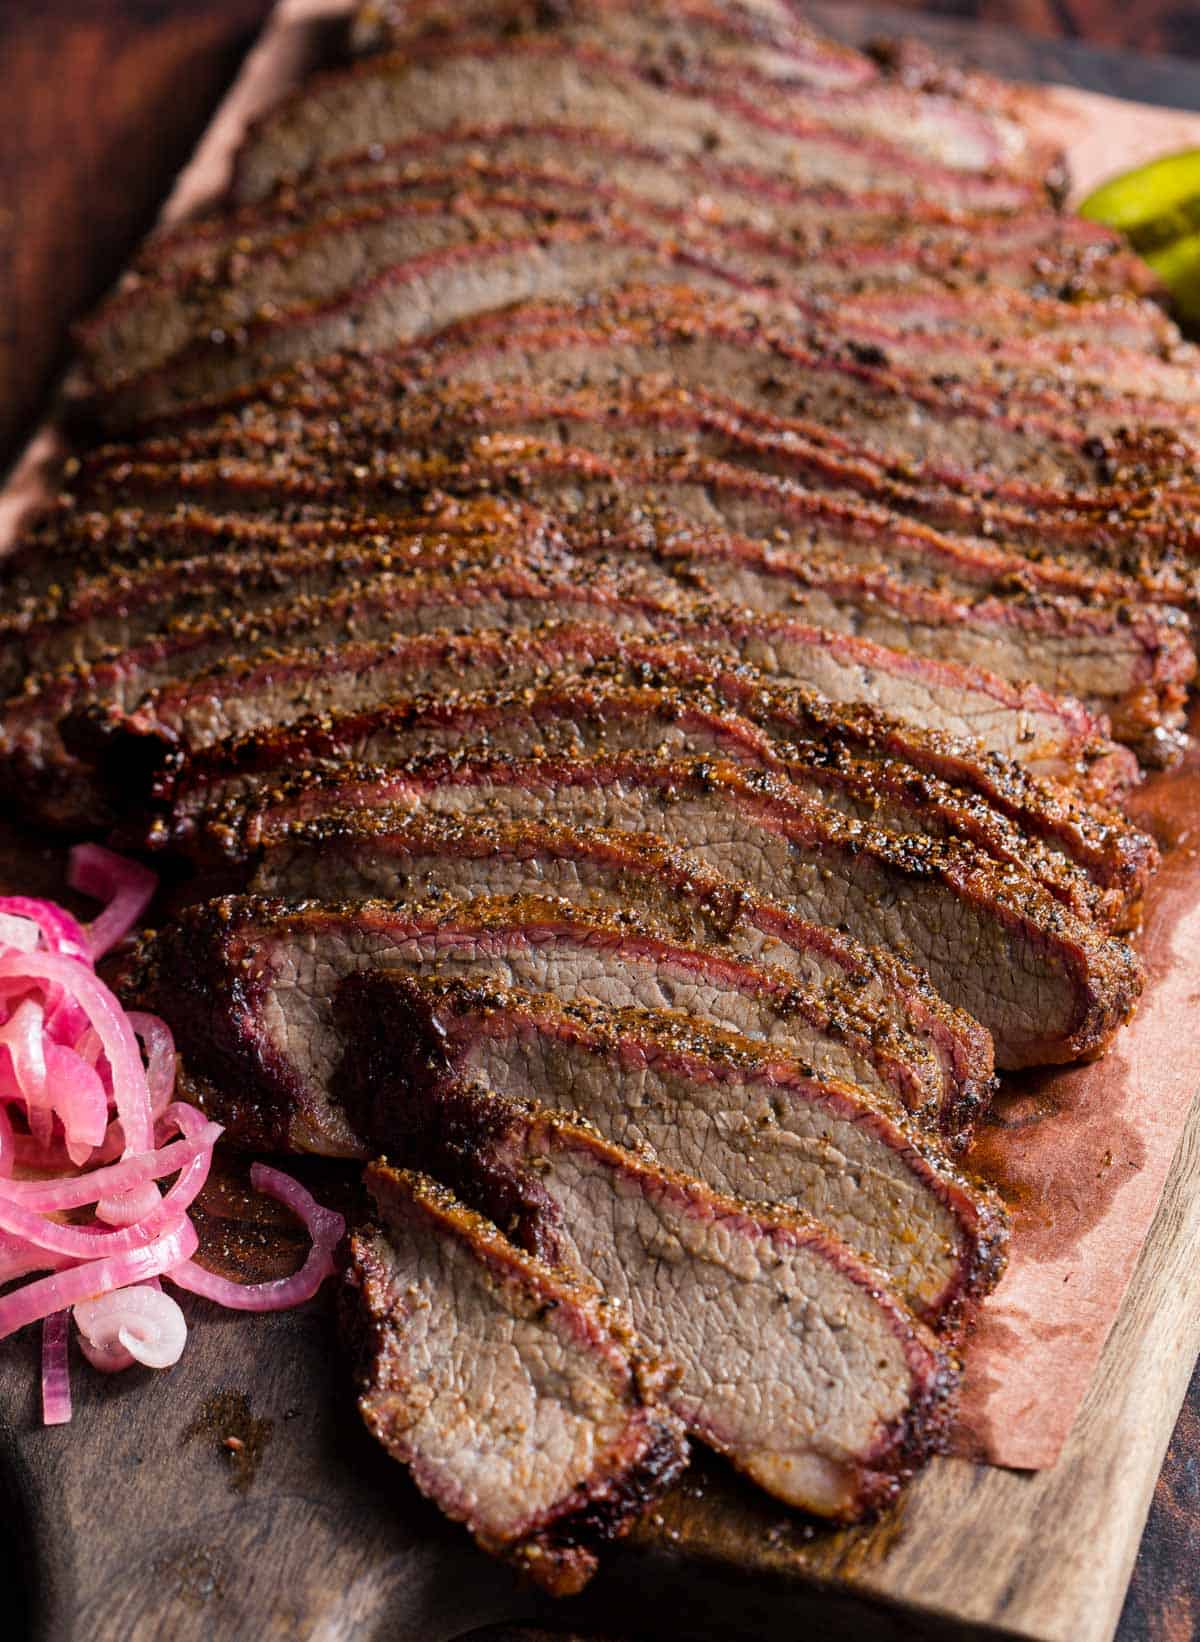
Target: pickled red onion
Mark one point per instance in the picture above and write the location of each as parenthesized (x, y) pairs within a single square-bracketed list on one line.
[(76, 1191), (127, 886), (139, 1324), (111, 1026), (56, 1380), (326, 1227), (71, 1066), (62, 932), (124, 1208), (21, 933), (159, 1043), (37, 1300)]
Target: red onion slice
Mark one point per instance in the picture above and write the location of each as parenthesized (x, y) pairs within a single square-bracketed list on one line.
[(159, 1043), (18, 1261), (77, 1191), (127, 1208), (65, 1288), (62, 933), (327, 1228), (8, 1144), (76, 1094), (21, 933), (56, 1373), (127, 886), (140, 1323), (113, 1358), (129, 1086)]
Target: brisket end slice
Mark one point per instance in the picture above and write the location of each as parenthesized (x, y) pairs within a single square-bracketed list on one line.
[(796, 1359), (509, 1390)]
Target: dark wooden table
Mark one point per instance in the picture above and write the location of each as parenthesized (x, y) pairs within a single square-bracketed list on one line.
[(104, 99)]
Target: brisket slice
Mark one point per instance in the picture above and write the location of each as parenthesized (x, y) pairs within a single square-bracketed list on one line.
[(311, 710), (510, 1390), (1047, 985), (398, 98), (145, 326), (1037, 482), (1137, 335), (134, 693), (879, 237), (1129, 665), (742, 1118), (394, 274), (271, 1051), (797, 1360), (437, 859), (551, 944), (602, 715)]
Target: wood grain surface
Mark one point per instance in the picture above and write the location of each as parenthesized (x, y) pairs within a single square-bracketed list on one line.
[(103, 101)]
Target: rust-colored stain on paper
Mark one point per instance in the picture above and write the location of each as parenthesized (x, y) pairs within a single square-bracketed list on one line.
[(1081, 1156)]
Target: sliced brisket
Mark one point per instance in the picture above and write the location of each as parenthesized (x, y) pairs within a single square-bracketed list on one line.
[(844, 237), (1054, 820), (435, 859), (540, 943), (510, 1390), (397, 98), (772, 730), (269, 1049), (690, 36), (133, 694), (1129, 665), (1046, 984), (742, 1118), (645, 499), (797, 1361), (70, 545)]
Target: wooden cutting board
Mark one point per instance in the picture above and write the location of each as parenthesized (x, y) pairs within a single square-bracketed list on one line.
[(138, 1520)]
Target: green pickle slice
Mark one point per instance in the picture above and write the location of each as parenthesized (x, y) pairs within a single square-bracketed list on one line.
[(1157, 208)]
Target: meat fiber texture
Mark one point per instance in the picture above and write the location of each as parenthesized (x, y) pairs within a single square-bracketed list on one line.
[(1116, 1122), (511, 1393)]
